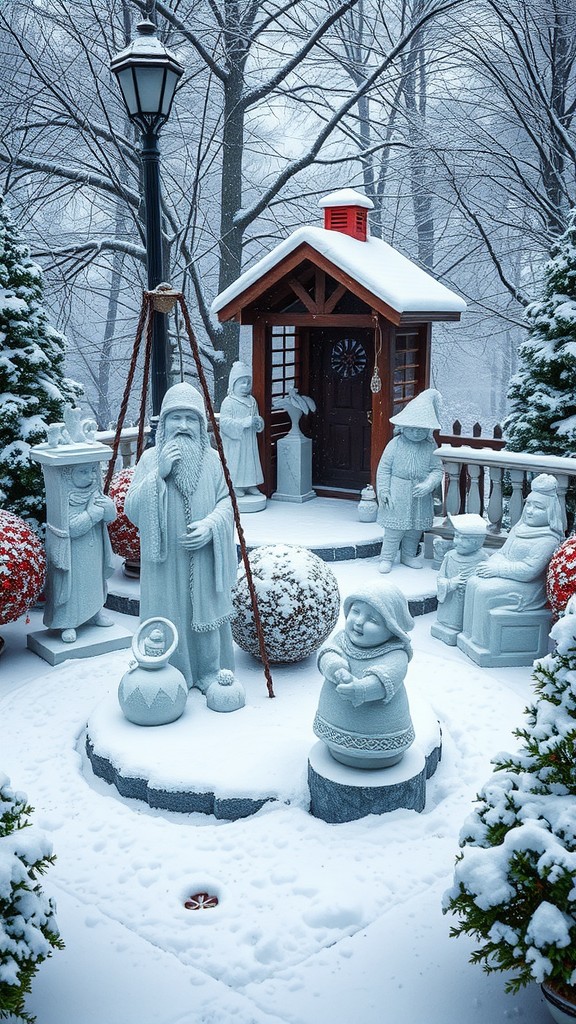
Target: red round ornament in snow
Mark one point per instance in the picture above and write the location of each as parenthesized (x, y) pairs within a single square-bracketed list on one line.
[(124, 536), (561, 576), (22, 567)]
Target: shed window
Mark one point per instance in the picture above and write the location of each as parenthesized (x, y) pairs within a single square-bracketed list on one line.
[(406, 369), (286, 366)]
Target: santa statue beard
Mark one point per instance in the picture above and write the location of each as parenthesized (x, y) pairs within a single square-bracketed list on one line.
[(186, 469)]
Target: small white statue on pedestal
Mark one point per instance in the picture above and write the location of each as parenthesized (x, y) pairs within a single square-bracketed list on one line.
[(294, 451), (458, 565), (240, 422)]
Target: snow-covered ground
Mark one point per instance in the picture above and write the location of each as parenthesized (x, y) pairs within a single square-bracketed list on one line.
[(316, 923)]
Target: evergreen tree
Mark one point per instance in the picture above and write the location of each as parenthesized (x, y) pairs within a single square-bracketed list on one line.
[(542, 394), (33, 389), (28, 928), (515, 882)]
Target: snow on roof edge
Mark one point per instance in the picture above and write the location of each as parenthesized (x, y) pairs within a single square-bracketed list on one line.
[(374, 264)]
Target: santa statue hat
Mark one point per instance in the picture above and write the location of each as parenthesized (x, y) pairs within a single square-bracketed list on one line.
[(422, 411), (238, 371)]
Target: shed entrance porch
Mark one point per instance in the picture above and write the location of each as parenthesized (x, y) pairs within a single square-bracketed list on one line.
[(341, 364)]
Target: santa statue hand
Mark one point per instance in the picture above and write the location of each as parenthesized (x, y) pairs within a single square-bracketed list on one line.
[(167, 456), (198, 535)]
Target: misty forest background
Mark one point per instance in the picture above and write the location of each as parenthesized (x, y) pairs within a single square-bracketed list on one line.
[(453, 116)]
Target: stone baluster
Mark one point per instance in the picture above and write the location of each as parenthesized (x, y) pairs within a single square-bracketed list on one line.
[(453, 493), (127, 451), (474, 503), (494, 510), (562, 487), (517, 499)]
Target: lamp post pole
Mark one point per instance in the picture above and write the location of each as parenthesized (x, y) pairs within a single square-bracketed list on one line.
[(150, 156), (148, 74)]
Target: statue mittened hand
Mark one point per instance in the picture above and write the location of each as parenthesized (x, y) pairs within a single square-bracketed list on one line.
[(354, 692)]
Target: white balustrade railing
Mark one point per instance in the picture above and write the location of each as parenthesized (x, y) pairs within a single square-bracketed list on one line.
[(485, 472), (128, 443)]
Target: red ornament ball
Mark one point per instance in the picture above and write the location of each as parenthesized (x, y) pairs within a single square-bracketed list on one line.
[(561, 576), (124, 536), (22, 567)]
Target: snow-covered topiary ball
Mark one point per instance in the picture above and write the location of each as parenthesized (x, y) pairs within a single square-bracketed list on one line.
[(561, 576), (298, 600), (22, 567), (124, 536)]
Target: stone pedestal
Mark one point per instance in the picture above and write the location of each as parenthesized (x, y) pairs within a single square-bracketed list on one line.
[(340, 793), (251, 502), (294, 481), (515, 639), (90, 642)]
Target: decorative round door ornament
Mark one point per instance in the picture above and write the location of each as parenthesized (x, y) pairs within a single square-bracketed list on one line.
[(349, 358)]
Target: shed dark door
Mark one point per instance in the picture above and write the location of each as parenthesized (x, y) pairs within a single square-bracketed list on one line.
[(341, 364)]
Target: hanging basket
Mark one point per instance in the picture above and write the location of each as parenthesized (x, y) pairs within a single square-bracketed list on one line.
[(164, 298)]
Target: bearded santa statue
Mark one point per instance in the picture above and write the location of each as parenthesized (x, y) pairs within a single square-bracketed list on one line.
[(179, 501)]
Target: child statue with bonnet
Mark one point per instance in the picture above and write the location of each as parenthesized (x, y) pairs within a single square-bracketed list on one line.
[(458, 565), (363, 714)]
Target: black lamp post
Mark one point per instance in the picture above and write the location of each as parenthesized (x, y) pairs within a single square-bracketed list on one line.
[(148, 74)]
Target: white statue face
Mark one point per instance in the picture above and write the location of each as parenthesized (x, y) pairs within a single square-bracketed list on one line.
[(84, 476), (242, 386), (365, 627), (415, 433), (182, 422), (467, 543), (535, 511)]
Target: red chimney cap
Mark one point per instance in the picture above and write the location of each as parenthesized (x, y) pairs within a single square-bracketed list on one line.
[(346, 197)]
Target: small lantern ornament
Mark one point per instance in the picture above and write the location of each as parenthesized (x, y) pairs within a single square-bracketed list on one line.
[(124, 536), (561, 576), (22, 567)]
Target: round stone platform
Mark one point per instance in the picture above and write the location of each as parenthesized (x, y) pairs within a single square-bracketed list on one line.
[(228, 765)]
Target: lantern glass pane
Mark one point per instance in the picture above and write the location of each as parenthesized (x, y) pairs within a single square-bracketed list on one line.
[(150, 82), (126, 83), (169, 89)]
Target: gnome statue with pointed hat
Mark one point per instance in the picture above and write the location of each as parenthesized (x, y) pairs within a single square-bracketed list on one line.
[(408, 473)]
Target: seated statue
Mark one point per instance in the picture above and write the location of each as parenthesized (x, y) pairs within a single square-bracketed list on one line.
[(513, 579), (363, 714)]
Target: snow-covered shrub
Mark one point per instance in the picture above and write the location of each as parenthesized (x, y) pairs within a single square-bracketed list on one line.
[(28, 929), (124, 536), (298, 601), (515, 881), (22, 567), (561, 576), (33, 389)]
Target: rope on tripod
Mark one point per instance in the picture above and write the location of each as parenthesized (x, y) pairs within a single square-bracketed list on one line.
[(126, 396), (228, 478)]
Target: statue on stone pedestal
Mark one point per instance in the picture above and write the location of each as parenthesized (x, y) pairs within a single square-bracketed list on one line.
[(363, 713), (78, 551), (408, 473), (458, 565), (514, 577), (240, 422), (179, 501)]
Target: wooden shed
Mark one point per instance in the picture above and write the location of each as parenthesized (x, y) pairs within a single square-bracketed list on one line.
[(346, 319)]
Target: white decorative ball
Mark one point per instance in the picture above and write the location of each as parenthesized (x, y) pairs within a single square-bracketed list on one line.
[(298, 600)]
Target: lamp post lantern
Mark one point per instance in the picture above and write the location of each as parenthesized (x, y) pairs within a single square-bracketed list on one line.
[(148, 74)]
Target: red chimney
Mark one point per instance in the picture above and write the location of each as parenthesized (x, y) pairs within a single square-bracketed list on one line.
[(347, 211)]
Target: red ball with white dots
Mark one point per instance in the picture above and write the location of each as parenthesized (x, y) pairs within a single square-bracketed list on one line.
[(22, 567)]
